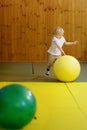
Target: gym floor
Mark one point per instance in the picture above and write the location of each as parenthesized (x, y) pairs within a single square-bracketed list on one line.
[(60, 106)]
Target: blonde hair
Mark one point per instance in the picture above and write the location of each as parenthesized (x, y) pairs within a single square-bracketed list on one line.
[(58, 31)]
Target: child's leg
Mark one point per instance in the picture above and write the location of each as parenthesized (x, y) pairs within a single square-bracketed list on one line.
[(51, 61)]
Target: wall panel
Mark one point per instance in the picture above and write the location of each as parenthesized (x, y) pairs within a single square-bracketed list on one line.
[(26, 28)]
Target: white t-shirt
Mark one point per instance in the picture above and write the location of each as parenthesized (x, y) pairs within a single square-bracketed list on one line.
[(53, 50)]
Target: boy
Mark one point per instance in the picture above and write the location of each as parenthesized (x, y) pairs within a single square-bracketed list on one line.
[(55, 49)]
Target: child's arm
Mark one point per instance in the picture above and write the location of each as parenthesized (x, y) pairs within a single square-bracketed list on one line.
[(70, 43), (60, 48)]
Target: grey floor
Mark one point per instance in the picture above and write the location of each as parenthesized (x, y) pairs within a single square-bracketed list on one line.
[(33, 72)]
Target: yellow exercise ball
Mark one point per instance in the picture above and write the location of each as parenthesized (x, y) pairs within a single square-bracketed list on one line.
[(66, 68)]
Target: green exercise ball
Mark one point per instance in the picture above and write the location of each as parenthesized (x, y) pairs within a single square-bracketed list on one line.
[(17, 106)]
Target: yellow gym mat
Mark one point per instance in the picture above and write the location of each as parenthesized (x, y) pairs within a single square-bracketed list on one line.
[(60, 106)]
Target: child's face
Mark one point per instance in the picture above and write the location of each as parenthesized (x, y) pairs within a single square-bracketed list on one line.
[(59, 36)]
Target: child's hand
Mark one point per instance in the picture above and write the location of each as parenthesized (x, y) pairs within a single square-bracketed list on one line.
[(75, 42), (63, 54)]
